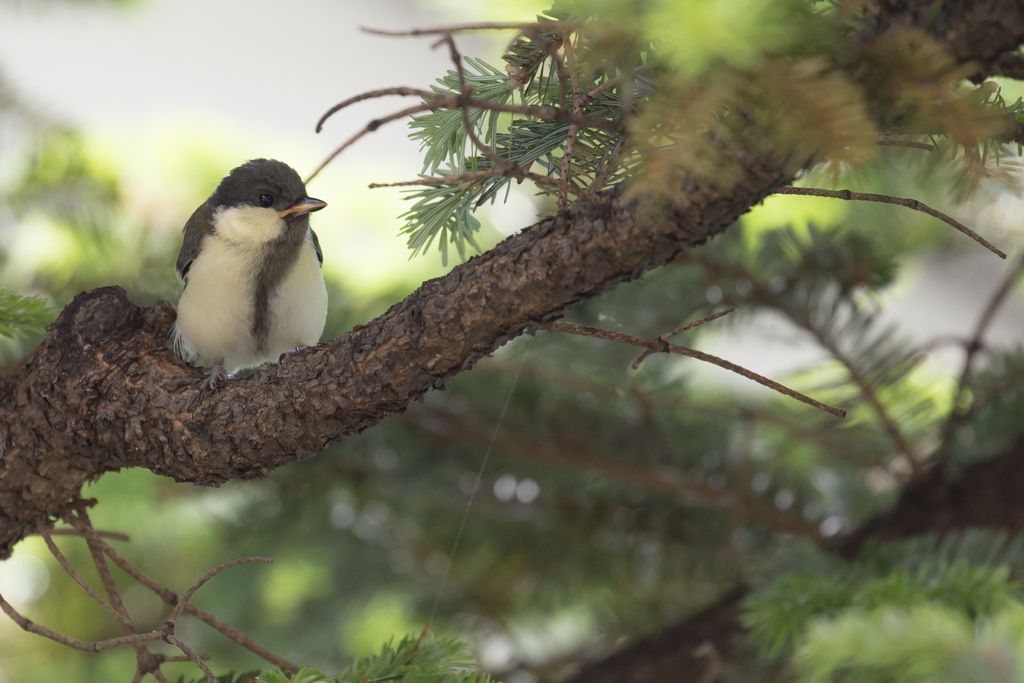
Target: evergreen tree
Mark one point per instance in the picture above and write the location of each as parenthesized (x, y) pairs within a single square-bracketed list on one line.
[(626, 519)]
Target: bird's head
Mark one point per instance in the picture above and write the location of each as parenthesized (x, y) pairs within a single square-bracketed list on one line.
[(261, 201)]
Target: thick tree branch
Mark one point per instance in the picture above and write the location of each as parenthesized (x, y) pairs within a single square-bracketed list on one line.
[(103, 392)]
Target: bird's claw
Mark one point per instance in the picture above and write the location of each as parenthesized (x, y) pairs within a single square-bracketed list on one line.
[(288, 354), (213, 383)]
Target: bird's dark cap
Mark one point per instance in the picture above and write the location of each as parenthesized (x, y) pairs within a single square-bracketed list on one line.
[(245, 185)]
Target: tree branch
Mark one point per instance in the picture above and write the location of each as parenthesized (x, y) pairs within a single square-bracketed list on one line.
[(171, 598), (577, 109), (99, 646), (986, 494), (103, 391), (660, 345), (958, 415), (899, 201), (438, 100), (532, 26)]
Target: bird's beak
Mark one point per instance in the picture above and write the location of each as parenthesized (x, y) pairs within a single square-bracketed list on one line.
[(304, 206)]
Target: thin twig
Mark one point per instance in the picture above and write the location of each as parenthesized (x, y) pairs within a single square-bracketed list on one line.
[(988, 315), (679, 330), (168, 627), (466, 92), (611, 82), (442, 180), (868, 391), (577, 109), (191, 654), (63, 562), (440, 100), (537, 26), (112, 535), (372, 94), (98, 646), (516, 172), (419, 641), (886, 199), (170, 659), (171, 598), (507, 166), (496, 159), (370, 127), (144, 658), (806, 431), (660, 346), (206, 577), (976, 344), (106, 578)]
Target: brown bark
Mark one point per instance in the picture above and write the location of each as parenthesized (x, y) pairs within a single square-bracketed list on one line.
[(102, 392)]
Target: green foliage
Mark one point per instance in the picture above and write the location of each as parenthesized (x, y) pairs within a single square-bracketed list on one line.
[(413, 660), (967, 572), (633, 526), (600, 159), (20, 315), (445, 211), (694, 82), (304, 675), (926, 642)]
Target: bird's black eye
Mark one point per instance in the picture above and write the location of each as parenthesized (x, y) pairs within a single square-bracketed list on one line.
[(266, 200)]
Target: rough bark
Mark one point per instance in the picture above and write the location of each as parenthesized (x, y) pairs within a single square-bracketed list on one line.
[(102, 391)]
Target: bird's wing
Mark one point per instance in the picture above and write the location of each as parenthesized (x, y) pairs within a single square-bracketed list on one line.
[(197, 228), (316, 245)]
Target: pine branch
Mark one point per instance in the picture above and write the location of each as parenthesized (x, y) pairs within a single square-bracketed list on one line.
[(679, 330), (577, 109), (445, 137), (886, 199), (661, 346), (530, 27), (438, 100), (21, 315)]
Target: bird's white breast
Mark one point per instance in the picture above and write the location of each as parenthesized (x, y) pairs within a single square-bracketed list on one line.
[(215, 312), (298, 306)]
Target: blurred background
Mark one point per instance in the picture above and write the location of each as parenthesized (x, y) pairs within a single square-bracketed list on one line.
[(615, 501)]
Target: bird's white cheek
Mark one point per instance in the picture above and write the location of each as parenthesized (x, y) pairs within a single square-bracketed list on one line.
[(248, 224)]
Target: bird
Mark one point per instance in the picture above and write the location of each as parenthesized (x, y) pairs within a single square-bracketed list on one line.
[(252, 269)]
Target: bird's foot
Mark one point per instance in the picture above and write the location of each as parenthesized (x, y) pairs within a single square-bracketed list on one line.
[(289, 354), (218, 376)]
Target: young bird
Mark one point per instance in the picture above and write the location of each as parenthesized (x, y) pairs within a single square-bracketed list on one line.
[(251, 268)]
